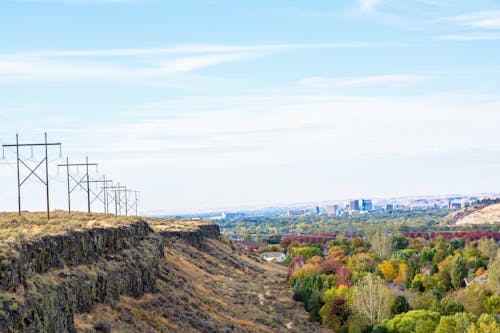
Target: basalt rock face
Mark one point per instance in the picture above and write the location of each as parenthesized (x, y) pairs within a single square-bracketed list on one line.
[(76, 248), (196, 237), (45, 282)]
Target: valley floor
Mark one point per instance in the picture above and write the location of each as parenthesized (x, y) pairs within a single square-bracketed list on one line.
[(216, 288)]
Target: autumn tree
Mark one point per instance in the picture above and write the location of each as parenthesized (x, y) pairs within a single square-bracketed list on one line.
[(389, 272), (335, 311), (371, 300)]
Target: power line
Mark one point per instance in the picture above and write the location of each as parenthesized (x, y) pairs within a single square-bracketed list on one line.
[(20, 162), (78, 182)]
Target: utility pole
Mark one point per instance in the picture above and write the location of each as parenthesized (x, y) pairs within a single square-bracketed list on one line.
[(117, 191), (78, 182), (133, 205), (33, 171), (102, 191)]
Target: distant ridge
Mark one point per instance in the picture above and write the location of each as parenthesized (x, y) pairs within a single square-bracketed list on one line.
[(486, 212)]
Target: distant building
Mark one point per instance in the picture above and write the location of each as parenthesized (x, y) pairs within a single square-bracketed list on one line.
[(296, 212), (366, 205), (317, 210), (250, 245), (456, 205), (332, 209), (479, 279), (273, 256), (354, 205), (232, 215), (389, 207)]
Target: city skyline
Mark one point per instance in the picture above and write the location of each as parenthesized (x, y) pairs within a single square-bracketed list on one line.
[(225, 104)]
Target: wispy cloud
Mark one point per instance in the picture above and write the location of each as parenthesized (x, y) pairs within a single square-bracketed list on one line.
[(474, 36), (389, 79), (368, 5), (483, 19), (68, 65)]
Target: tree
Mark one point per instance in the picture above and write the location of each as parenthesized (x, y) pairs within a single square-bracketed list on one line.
[(388, 270), (486, 323), (488, 247), (448, 307), (371, 300), (400, 305), (472, 298), (494, 274), (313, 304), (306, 251), (422, 321), (458, 271), (381, 244), (335, 311), (457, 323), (412, 270), (400, 242)]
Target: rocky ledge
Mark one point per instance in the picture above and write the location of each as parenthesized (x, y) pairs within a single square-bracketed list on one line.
[(45, 281)]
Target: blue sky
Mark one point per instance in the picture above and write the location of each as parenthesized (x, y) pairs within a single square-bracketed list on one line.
[(208, 104)]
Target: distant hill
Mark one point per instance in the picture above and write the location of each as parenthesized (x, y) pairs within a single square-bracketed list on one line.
[(484, 212)]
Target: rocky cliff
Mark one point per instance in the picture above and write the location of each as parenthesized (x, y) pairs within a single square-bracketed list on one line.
[(45, 281)]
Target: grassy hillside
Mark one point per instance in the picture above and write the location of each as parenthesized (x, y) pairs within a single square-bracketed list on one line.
[(477, 214), (218, 288)]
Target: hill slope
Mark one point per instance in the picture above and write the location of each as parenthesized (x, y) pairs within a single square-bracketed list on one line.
[(213, 288), (482, 214), (101, 273)]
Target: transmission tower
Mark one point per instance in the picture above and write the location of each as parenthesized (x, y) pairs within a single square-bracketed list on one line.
[(78, 183), (103, 191), (33, 171)]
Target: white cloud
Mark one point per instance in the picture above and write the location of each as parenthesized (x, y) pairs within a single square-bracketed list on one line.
[(389, 79), (484, 19), (475, 36), (137, 64), (368, 5)]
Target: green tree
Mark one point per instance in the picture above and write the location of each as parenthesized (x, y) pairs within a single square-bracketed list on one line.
[(413, 269), (400, 242), (457, 323), (422, 321), (458, 271), (494, 274), (486, 323), (448, 307), (400, 305)]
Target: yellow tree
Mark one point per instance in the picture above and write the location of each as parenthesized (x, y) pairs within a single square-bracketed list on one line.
[(388, 270)]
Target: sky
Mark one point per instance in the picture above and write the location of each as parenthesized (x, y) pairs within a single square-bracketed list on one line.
[(218, 104)]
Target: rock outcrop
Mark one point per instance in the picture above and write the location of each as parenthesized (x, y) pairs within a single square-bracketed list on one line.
[(46, 281)]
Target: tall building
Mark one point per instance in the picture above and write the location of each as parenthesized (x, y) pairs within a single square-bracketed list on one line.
[(354, 205), (389, 207), (366, 205), (330, 209)]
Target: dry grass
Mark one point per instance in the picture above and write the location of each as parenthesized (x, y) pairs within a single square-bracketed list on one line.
[(167, 224), (489, 214), (205, 291), (15, 229)]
